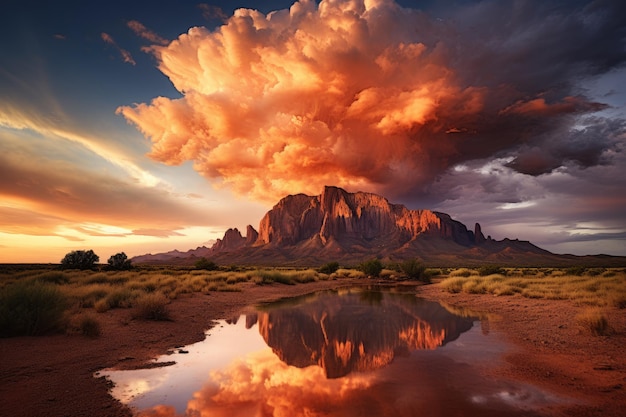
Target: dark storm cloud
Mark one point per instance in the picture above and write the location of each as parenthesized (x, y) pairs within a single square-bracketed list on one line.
[(388, 98)]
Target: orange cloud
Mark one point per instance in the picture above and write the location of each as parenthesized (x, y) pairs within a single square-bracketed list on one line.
[(212, 12), (126, 56), (540, 107), (142, 31), (303, 97), (261, 384), (361, 94)]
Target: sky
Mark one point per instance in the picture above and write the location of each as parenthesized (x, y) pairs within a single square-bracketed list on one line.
[(145, 127)]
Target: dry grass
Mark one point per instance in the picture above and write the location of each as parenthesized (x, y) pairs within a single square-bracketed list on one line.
[(152, 307), (593, 290), (594, 320), (76, 293)]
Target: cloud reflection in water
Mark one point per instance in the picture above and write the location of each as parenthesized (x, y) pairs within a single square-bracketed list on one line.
[(354, 353)]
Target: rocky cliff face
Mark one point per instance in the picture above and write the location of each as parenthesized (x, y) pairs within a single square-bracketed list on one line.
[(363, 332), (352, 227), (349, 217)]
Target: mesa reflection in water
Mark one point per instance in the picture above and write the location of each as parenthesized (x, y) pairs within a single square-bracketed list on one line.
[(330, 354), (355, 330)]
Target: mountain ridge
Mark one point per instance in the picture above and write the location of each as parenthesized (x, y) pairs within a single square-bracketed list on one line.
[(336, 225)]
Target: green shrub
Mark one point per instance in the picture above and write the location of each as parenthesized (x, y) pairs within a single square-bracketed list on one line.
[(204, 263), (31, 308), (372, 267), (575, 270), (414, 269), (329, 268), (483, 271), (152, 307)]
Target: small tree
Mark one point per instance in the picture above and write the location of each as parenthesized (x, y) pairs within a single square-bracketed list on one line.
[(372, 267), (80, 259), (204, 263), (119, 262)]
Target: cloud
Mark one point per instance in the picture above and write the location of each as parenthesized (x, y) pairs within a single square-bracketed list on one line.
[(142, 31), (157, 232), (366, 94), (44, 196), (126, 56), (14, 117), (210, 12)]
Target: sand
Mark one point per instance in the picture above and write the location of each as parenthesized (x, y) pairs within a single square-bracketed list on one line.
[(53, 375)]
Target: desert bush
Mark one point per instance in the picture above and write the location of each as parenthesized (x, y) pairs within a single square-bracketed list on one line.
[(433, 272), (618, 300), (101, 306), (53, 277), (80, 259), (152, 307), (302, 277), (372, 268), (329, 268), (485, 270), (234, 278), (453, 285), (204, 263), (594, 272), (414, 269), (97, 278), (121, 298), (594, 321), (263, 277), (31, 308), (87, 295), (461, 272), (388, 273), (89, 326), (575, 270), (348, 273), (119, 262)]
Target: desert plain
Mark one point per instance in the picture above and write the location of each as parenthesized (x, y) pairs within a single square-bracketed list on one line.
[(567, 343)]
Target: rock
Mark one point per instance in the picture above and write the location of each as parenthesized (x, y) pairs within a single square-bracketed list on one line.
[(352, 227), (479, 238)]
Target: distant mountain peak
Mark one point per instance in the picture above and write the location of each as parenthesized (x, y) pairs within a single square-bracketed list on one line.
[(351, 227)]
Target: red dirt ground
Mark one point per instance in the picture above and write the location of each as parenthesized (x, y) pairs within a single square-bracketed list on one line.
[(53, 375)]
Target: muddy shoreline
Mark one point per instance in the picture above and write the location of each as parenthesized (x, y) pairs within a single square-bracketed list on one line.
[(53, 375)]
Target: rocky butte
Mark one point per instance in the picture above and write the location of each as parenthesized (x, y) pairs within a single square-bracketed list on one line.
[(352, 227)]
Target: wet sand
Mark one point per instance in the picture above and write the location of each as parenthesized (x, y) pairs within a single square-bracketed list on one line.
[(53, 375)]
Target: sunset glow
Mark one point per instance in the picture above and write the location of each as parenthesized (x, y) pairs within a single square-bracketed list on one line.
[(136, 130)]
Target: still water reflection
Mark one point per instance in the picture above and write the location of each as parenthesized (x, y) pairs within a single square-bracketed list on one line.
[(358, 352)]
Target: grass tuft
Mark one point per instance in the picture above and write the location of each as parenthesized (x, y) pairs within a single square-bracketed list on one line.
[(89, 326), (31, 308), (594, 321), (152, 306)]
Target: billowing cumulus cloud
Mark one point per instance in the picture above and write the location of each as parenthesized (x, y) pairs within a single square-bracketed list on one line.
[(366, 94)]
